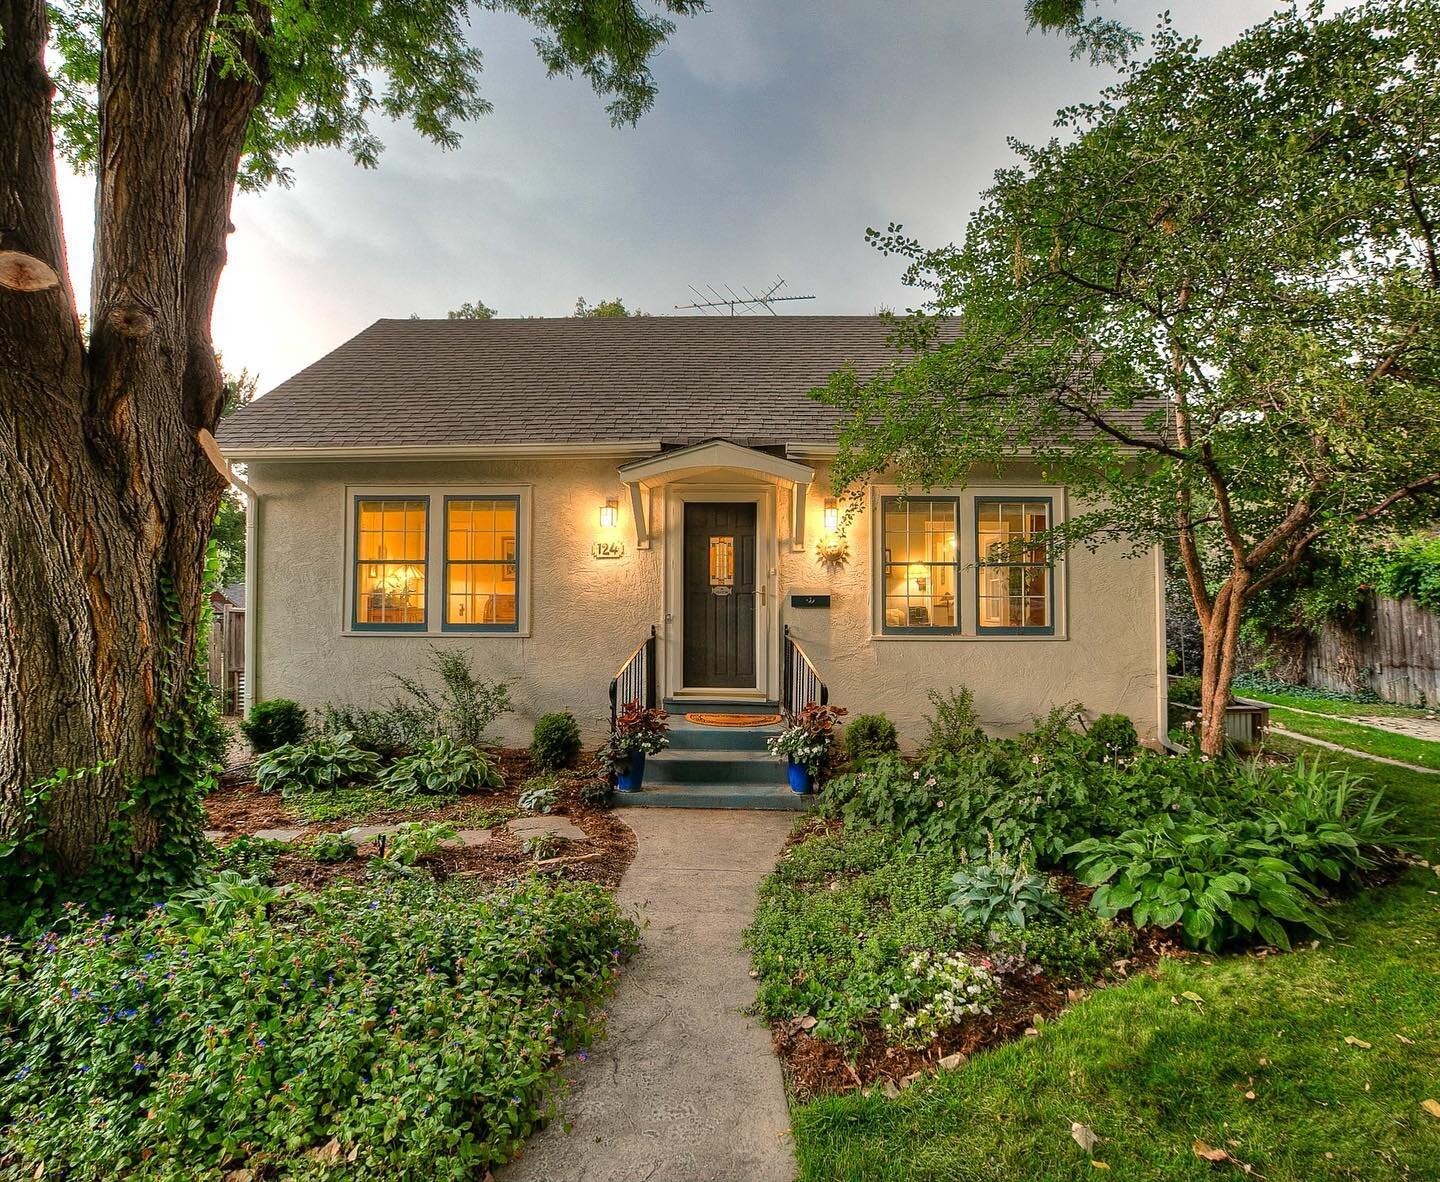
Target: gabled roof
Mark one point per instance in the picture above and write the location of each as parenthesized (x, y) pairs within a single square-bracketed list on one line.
[(667, 380)]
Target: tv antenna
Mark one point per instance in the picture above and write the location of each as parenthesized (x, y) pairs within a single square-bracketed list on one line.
[(736, 304)]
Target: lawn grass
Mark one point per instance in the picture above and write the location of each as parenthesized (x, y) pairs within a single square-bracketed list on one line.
[(1371, 740), (1341, 709), (1151, 1071)]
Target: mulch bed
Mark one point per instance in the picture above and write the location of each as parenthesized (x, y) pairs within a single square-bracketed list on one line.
[(602, 858)]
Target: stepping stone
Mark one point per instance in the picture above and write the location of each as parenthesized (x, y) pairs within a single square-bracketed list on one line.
[(560, 826), (214, 835), (468, 837), (278, 834), (360, 834)]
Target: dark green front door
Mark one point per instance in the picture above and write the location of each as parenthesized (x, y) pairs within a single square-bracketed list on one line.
[(720, 595)]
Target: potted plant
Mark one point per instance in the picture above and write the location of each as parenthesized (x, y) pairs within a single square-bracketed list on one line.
[(806, 742), (638, 732)]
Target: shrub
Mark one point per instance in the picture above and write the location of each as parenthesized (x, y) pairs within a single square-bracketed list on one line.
[(869, 736), (463, 707), (1185, 691), (1002, 887), (595, 791), (321, 764), (441, 767), (555, 743), (385, 731), (271, 1039), (276, 723), (1115, 735), (954, 727), (539, 794)]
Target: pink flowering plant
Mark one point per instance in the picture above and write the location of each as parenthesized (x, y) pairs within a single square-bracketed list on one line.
[(407, 1030)]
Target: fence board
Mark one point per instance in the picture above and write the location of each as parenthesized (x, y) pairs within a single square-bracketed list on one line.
[(1395, 653)]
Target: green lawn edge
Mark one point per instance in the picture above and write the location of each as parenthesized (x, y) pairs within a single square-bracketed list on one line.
[(1358, 737)]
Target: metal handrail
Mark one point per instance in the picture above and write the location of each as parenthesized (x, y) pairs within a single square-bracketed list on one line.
[(800, 680), (635, 681)]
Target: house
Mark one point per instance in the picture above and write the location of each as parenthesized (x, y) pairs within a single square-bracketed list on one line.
[(545, 493)]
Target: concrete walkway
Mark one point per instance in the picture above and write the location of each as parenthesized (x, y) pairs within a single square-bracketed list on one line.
[(686, 1087)]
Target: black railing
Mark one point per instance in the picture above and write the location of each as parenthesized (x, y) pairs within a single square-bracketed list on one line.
[(800, 683), (636, 680)]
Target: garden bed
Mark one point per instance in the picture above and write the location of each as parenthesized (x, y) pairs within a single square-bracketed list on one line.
[(602, 858)]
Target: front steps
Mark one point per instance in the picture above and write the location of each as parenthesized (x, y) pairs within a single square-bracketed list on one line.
[(712, 767)]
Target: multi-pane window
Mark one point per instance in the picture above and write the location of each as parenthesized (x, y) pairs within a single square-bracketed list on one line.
[(390, 562), (482, 563), (1013, 576), (920, 569)]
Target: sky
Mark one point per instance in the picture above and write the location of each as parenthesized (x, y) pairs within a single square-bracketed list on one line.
[(782, 130)]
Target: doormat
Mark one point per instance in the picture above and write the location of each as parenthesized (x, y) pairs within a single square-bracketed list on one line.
[(733, 719)]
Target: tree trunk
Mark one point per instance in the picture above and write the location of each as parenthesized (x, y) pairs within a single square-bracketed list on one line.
[(1221, 646), (108, 498)]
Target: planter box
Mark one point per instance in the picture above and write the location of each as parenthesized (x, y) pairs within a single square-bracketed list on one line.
[(1245, 722)]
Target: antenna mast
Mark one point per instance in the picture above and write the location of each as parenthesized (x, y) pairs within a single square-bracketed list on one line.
[(738, 305)]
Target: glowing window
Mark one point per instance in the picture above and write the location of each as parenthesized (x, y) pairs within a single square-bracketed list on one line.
[(390, 562), (1014, 578), (482, 564), (920, 566), (722, 561)]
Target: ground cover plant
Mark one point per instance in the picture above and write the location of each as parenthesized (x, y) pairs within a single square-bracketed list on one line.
[(1309, 1065), (298, 1037)]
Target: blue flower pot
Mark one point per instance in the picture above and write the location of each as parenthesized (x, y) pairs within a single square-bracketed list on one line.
[(629, 779), (800, 781)]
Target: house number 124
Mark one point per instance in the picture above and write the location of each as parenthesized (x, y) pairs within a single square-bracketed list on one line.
[(607, 550)]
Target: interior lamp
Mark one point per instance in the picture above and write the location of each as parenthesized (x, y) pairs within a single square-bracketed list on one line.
[(610, 513)]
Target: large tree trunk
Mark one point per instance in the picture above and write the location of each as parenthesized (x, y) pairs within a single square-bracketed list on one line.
[(108, 498)]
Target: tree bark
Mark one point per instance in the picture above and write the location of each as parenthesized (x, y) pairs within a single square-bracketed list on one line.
[(108, 497)]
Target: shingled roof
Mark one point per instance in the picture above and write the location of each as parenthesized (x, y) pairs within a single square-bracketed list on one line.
[(669, 379)]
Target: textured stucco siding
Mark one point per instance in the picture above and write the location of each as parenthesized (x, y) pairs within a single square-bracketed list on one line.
[(586, 614)]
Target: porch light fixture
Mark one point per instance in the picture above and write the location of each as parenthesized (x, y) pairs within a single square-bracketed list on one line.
[(610, 513), (832, 515)]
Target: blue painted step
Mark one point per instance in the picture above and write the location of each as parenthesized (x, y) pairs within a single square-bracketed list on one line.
[(711, 796), (713, 767)]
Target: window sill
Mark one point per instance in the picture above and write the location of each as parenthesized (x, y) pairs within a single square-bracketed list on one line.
[(950, 637), (437, 634)]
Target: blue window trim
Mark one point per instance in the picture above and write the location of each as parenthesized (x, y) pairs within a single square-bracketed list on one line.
[(445, 625), (355, 623), (929, 629), (981, 564)]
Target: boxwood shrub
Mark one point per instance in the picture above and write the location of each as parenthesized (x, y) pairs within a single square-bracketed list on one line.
[(404, 1030)]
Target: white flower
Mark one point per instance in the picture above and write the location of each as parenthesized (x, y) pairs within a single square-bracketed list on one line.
[(1035, 759), (914, 775)]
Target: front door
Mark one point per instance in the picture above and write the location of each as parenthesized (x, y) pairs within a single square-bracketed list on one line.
[(719, 612)]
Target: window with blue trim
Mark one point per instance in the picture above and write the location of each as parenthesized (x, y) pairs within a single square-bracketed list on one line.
[(482, 564), (1014, 580), (920, 566), (391, 542)]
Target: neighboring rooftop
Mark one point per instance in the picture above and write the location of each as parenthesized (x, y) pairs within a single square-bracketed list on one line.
[(671, 379)]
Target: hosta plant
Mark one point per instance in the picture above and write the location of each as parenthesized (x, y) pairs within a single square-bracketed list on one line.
[(1001, 887), (218, 900), (317, 765), (331, 847), (1213, 881), (417, 839), (539, 794), (441, 767)]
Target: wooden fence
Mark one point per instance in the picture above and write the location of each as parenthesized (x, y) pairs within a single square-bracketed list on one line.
[(1395, 652), (227, 656)]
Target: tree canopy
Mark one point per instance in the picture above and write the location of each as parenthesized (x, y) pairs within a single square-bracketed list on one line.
[(1210, 306), (479, 310), (605, 309)]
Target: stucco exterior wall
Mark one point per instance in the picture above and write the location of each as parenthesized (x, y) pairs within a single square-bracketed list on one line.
[(587, 614)]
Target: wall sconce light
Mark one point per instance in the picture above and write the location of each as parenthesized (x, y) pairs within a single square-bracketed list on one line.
[(610, 513), (832, 515)]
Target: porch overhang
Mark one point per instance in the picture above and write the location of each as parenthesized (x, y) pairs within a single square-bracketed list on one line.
[(715, 455)]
